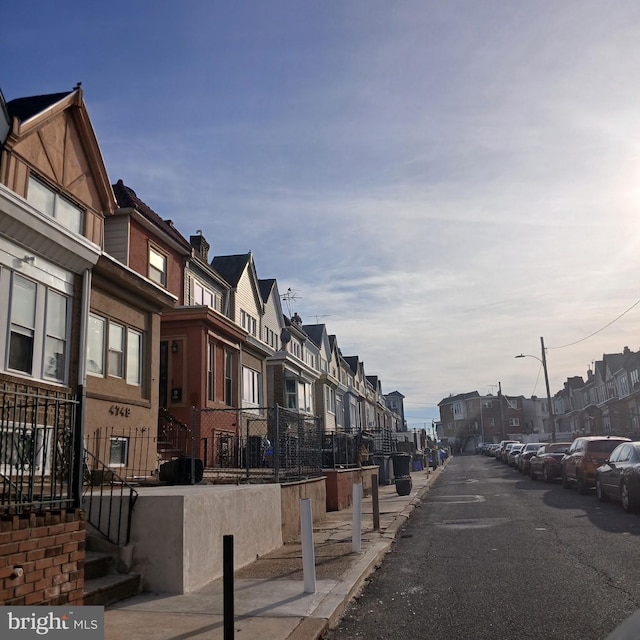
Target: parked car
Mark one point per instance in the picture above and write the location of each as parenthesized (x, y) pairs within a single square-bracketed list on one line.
[(491, 450), (514, 454), (528, 450), (582, 459), (619, 477), (546, 461), (500, 451)]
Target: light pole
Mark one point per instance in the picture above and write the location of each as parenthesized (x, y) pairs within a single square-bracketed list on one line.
[(543, 361)]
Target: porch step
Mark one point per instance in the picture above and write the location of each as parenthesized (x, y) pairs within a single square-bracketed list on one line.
[(103, 585)]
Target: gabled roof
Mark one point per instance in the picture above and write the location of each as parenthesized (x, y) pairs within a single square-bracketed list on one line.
[(231, 268), (352, 361), (315, 333), (33, 115), (266, 287), (394, 393), (25, 108), (127, 199)]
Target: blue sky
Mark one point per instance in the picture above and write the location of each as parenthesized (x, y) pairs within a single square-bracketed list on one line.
[(441, 183)]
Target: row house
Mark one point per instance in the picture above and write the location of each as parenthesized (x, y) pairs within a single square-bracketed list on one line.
[(607, 402), (467, 417), (79, 320)]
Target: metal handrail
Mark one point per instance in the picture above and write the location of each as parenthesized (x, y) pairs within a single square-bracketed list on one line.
[(104, 496)]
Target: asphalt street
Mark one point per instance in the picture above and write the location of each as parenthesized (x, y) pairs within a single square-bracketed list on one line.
[(492, 554)]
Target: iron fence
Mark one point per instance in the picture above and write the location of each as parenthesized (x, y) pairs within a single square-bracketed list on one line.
[(37, 439), (258, 445)]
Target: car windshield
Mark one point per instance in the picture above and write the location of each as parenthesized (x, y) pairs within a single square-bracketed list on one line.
[(558, 446)]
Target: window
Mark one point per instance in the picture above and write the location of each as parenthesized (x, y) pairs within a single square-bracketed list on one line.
[(292, 393), (118, 346), (330, 399), (116, 350), (55, 346), (38, 328), (95, 345), (211, 354), (23, 322), (624, 386), (228, 378), (634, 377), (134, 349), (118, 451), (514, 422), (251, 386), (205, 296), (157, 267), (270, 337), (54, 205), (339, 410), (248, 323), (486, 404)]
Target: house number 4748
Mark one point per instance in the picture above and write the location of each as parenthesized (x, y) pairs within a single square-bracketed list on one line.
[(117, 410)]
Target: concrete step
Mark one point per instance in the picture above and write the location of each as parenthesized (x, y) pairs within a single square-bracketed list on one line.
[(103, 585), (111, 588)]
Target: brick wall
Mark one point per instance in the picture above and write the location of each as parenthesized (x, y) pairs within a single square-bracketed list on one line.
[(50, 548)]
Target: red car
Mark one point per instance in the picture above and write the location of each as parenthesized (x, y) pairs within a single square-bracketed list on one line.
[(546, 461)]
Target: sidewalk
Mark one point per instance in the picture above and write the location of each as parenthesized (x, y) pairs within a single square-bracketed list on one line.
[(270, 602)]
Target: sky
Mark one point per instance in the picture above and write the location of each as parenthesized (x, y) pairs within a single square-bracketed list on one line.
[(440, 183)]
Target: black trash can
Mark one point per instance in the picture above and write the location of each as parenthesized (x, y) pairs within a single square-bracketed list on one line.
[(178, 471), (402, 473), (403, 486), (401, 464)]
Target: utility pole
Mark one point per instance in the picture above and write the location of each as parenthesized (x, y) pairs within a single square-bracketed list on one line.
[(504, 436), (546, 380)]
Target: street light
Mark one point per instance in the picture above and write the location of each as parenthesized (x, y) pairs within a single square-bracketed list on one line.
[(543, 360)]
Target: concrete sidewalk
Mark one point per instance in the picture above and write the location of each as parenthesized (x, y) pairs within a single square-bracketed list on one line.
[(270, 602)]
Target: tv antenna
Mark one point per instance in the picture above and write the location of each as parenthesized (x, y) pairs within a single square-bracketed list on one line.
[(317, 317), (289, 297)]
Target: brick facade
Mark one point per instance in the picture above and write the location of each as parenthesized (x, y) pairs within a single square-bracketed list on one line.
[(49, 546)]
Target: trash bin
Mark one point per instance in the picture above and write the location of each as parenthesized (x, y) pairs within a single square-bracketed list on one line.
[(417, 464), (178, 471), (401, 464), (403, 486), (402, 473)]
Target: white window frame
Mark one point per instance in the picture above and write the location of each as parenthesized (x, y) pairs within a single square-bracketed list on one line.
[(123, 441), (39, 329), (67, 213), (251, 387), (157, 266), (102, 350)]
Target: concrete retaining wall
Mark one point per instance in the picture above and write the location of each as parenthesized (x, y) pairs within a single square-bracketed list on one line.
[(291, 494), (177, 532)]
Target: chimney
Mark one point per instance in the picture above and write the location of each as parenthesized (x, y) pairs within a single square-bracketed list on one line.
[(200, 245)]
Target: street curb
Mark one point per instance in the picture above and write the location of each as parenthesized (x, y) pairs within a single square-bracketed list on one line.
[(332, 607)]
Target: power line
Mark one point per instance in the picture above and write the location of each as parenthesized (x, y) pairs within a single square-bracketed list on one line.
[(606, 326)]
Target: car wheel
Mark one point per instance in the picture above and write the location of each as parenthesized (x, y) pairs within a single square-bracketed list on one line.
[(545, 474), (602, 496), (581, 484), (628, 503), (565, 481)]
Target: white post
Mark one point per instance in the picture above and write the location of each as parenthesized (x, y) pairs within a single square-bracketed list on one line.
[(356, 543), (308, 552)]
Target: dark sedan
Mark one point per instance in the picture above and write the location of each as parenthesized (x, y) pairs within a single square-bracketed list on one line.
[(546, 461), (619, 477)]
